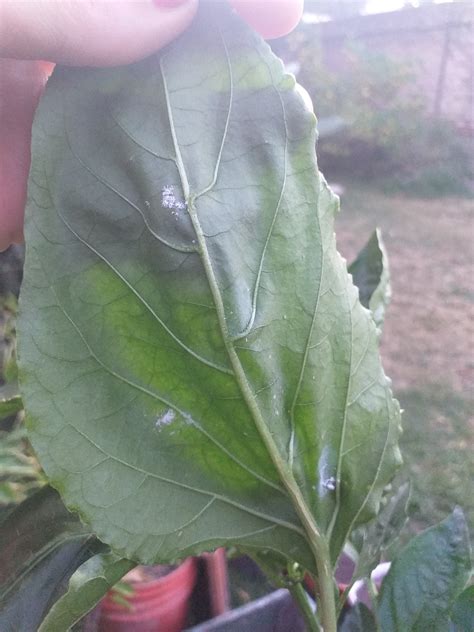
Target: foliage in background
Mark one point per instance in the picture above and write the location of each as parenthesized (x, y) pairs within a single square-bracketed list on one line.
[(388, 137), (437, 455), (20, 472)]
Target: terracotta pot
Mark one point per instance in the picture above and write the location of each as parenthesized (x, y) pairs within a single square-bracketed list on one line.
[(157, 605)]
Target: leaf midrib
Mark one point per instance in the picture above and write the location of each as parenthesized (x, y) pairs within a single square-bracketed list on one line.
[(311, 531)]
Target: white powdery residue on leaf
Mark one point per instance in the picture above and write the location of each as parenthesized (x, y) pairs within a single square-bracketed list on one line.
[(168, 199), (330, 484), (189, 420), (165, 419), (327, 481)]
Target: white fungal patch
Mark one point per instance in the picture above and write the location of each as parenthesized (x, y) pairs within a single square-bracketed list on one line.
[(188, 419), (326, 468), (330, 484), (165, 419), (169, 200)]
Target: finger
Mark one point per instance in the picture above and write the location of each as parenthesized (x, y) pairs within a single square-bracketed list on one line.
[(21, 85), (271, 18), (97, 33)]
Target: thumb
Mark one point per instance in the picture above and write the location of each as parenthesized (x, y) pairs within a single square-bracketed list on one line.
[(92, 33)]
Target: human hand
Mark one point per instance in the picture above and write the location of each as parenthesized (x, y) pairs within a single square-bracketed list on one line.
[(86, 33)]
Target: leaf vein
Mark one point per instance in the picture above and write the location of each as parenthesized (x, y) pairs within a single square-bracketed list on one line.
[(204, 492), (147, 306), (107, 185)]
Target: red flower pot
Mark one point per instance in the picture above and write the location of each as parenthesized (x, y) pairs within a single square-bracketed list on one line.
[(157, 605)]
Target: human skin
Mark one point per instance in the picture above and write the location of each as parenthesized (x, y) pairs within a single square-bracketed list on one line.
[(86, 33)]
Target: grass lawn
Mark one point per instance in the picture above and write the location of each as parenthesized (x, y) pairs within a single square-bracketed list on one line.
[(428, 339)]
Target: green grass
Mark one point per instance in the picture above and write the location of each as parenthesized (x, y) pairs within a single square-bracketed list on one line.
[(437, 448)]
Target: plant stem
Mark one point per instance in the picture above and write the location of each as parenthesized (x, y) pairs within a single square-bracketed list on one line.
[(320, 549), (299, 595)]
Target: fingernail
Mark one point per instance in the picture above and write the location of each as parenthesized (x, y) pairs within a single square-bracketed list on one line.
[(168, 3)]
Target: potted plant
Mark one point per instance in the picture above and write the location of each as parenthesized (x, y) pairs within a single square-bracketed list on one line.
[(196, 365), (156, 600)]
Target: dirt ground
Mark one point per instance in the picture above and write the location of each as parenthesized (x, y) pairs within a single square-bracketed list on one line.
[(429, 329)]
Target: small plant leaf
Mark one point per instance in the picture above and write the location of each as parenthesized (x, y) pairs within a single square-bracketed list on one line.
[(358, 619), (19, 470), (379, 534), (462, 612), (195, 364), (425, 579), (90, 582), (370, 273), (41, 545), (10, 400)]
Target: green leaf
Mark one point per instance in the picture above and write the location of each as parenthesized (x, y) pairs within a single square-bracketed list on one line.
[(8, 366), (382, 531), (425, 579), (10, 400), (370, 273), (462, 613), (41, 545), (195, 364), (86, 588), (9, 407), (19, 470), (358, 619)]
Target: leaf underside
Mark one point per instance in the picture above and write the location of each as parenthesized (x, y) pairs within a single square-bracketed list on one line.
[(189, 336)]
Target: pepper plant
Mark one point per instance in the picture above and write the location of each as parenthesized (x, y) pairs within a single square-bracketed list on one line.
[(196, 365)]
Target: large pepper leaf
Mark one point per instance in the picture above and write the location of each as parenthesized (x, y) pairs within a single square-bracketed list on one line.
[(195, 363), (425, 579)]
